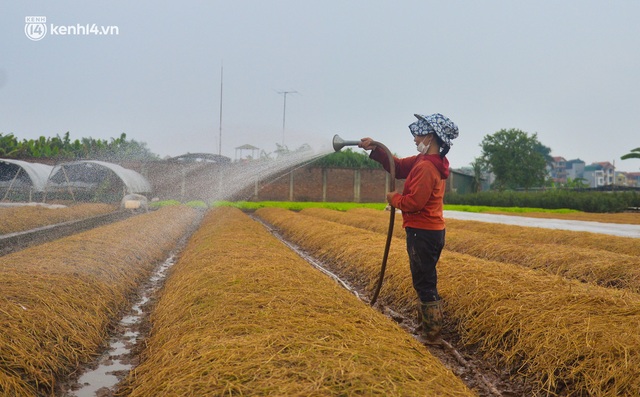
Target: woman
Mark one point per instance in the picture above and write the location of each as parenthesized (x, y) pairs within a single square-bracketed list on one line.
[(421, 204)]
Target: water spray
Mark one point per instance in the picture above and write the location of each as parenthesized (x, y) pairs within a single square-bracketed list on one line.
[(338, 144)]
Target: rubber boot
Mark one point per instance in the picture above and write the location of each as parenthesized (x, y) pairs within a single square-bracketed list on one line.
[(431, 313)]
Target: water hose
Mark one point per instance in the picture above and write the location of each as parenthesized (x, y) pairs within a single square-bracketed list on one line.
[(339, 143)]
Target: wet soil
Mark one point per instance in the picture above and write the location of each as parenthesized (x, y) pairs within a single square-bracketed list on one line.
[(101, 377), (120, 353)]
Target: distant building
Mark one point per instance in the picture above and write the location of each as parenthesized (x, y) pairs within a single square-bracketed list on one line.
[(599, 174), (608, 170), (594, 175), (486, 178), (575, 168), (621, 179), (557, 170), (633, 179), (240, 150)]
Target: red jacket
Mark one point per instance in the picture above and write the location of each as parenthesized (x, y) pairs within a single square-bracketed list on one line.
[(421, 200)]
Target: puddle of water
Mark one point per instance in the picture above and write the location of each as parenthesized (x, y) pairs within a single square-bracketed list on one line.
[(115, 363)]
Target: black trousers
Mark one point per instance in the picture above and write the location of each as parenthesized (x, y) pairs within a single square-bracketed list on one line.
[(424, 248)]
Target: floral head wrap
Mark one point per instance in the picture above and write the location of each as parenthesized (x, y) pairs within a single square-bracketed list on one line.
[(436, 124)]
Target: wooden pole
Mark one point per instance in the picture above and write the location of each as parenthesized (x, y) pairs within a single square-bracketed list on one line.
[(11, 184), (73, 197)]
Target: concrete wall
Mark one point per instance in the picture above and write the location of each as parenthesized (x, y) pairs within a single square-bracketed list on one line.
[(207, 181)]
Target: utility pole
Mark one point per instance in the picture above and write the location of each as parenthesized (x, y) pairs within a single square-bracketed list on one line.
[(220, 136), (614, 176), (284, 109)]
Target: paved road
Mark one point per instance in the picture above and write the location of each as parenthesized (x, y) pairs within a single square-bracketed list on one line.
[(613, 229)]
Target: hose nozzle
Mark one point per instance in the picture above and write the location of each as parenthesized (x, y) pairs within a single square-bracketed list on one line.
[(339, 143)]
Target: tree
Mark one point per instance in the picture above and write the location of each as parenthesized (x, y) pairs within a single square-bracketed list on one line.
[(123, 149), (9, 146), (348, 159), (62, 148), (634, 154), (577, 183), (476, 183), (545, 151), (517, 159)]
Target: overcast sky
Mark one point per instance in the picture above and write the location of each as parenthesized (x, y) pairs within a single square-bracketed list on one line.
[(566, 70)]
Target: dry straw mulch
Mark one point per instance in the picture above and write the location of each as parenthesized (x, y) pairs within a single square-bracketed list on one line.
[(242, 314), (58, 300), (19, 219), (582, 256), (529, 235), (567, 337)]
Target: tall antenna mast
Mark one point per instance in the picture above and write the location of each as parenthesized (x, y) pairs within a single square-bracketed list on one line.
[(220, 136), (284, 109)]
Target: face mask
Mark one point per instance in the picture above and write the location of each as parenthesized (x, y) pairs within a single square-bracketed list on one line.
[(422, 148)]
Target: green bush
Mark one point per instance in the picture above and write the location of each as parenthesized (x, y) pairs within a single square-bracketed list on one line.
[(347, 158), (586, 201)]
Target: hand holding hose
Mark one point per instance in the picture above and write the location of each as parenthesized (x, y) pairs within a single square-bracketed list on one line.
[(367, 144), (370, 144), (390, 196)]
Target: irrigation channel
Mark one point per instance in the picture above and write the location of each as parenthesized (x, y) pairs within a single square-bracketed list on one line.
[(102, 376)]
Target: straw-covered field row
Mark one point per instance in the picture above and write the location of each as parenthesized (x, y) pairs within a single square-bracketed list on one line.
[(19, 219), (604, 260), (528, 235), (242, 314), (562, 335), (60, 299)]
